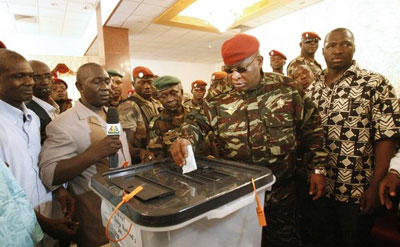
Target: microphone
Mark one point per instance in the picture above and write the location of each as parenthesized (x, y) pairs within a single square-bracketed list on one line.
[(113, 128)]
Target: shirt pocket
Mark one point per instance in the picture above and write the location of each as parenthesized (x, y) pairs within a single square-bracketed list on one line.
[(280, 133)]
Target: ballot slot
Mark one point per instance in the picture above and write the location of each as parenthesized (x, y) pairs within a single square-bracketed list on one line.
[(151, 190)]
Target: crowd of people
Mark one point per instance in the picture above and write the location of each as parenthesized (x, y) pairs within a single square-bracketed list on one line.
[(329, 136)]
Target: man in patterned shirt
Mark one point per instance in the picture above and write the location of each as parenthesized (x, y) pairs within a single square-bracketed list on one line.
[(360, 115), (308, 45), (165, 128), (261, 122), (198, 91), (136, 112)]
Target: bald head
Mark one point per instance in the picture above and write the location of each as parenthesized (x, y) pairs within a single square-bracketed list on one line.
[(94, 84), (39, 67), (8, 57), (339, 30)]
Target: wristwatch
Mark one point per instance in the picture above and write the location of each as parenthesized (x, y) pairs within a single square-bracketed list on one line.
[(320, 170), (395, 172)]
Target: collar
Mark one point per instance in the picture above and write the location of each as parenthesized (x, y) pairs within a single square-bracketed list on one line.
[(50, 108), (83, 112), (13, 113)]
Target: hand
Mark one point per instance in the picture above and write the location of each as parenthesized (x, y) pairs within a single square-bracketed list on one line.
[(57, 228), (179, 151), (370, 199), (146, 156), (107, 146), (387, 188), (66, 200), (317, 185)]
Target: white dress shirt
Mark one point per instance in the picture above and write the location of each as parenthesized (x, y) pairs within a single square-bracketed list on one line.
[(53, 110), (20, 148)]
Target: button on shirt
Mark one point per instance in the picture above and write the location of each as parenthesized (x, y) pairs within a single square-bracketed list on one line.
[(20, 147)]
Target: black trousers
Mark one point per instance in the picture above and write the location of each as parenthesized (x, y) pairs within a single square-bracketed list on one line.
[(340, 224)]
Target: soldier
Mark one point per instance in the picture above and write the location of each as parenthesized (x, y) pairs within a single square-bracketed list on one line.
[(116, 87), (361, 118), (165, 128), (260, 122), (303, 76), (137, 111), (219, 84), (198, 91), (309, 45), (277, 60)]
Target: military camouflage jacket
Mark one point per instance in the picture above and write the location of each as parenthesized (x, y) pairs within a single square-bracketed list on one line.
[(192, 106), (300, 60), (264, 126), (135, 114), (165, 129), (219, 87)]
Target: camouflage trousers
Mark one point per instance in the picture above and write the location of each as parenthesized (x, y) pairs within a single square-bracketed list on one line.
[(280, 215)]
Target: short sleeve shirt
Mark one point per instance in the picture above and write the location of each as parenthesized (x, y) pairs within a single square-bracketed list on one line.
[(360, 109)]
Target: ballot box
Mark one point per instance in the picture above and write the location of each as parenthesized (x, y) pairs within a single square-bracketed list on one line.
[(212, 206)]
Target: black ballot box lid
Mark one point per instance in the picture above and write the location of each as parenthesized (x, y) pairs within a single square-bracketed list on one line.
[(170, 197)]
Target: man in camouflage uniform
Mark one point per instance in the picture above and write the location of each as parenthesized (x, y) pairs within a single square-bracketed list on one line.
[(136, 112), (277, 60), (361, 119), (263, 121), (303, 76), (309, 45), (165, 128), (116, 87), (198, 91), (219, 84)]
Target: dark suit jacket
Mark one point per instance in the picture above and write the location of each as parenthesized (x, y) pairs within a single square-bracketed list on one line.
[(43, 116)]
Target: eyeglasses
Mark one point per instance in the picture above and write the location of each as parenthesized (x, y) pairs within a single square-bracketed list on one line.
[(39, 78), (239, 69)]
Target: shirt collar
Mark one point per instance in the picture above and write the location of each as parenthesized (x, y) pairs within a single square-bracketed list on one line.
[(14, 113), (49, 108)]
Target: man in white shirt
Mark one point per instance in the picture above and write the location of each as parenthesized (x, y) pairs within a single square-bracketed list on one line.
[(20, 140)]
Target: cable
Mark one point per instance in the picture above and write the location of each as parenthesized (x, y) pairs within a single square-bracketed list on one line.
[(125, 199)]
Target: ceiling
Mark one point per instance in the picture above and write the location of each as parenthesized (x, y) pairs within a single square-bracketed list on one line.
[(70, 18)]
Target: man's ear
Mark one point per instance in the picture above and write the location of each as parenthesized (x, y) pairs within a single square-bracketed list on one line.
[(300, 44), (79, 86), (261, 61)]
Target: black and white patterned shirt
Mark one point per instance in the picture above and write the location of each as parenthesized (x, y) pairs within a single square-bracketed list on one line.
[(360, 109)]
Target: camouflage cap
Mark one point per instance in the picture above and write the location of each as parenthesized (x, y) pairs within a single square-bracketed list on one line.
[(113, 72), (165, 82)]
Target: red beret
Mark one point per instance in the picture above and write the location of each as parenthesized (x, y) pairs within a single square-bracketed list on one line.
[(277, 53), (310, 35), (218, 75), (238, 48), (58, 81), (140, 72), (199, 83), (130, 92), (2, 45)]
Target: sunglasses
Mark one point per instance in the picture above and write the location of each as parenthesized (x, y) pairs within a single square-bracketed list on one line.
[(229, 70)]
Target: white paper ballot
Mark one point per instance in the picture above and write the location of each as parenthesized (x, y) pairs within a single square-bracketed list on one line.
[(190, 161)]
